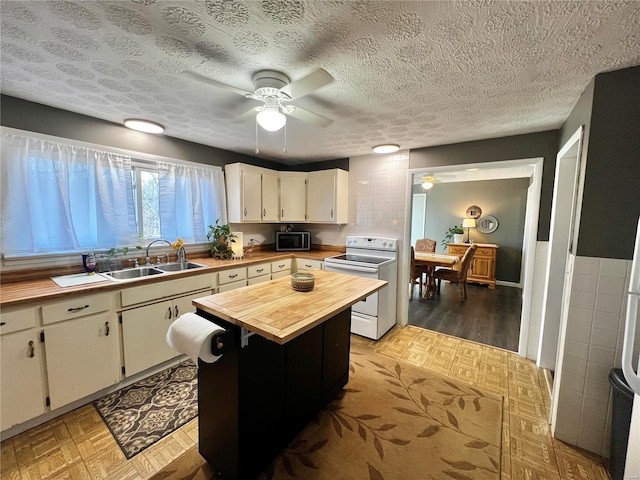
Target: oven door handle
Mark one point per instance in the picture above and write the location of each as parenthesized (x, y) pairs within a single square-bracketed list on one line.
[(352, 268)]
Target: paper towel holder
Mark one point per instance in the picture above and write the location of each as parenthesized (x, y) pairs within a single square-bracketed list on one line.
[(223, 342)]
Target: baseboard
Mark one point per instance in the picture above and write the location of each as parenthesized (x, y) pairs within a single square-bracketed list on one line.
[(508, 284)]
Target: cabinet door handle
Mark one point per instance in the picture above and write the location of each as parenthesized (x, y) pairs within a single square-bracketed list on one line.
[(233, 276), (106, 329), (77, 309), (245, 212), (264, 212), (32, 350), (307, 265), (259, 270), (282, 213), (332, 213), (281, 266), (175, 311), (170, 313), (2, 324)]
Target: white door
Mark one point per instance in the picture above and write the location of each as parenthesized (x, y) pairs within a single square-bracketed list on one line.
[(293, 198), (21, 393), (82, 357), (251, 196), (144, 333), (269, 197), (321, 195)]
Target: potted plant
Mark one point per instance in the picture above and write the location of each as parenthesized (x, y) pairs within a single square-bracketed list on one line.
[(220, 240), (454, 234)]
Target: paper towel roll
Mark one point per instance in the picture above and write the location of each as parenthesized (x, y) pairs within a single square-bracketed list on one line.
[(191, 334)]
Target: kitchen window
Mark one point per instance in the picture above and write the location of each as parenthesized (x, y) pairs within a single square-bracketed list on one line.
[(60, 196)]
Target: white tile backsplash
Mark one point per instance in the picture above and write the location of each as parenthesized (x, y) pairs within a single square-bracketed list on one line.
[(613, 267), (608, 303), (586, 265), (611, 285)]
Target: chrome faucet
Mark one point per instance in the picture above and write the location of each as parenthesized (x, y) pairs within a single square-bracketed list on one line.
[(146, 259), (182, 255)]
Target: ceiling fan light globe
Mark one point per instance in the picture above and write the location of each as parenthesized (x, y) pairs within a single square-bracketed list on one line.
[(427, 185), (271, 120)]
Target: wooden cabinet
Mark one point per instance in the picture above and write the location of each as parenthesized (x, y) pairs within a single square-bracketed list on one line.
[(21, 382), (252, 193), (483, 266), (328, 196), (293, 196)]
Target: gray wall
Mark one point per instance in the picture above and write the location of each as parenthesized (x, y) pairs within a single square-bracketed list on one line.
[(533, 145), (34, 117), (506, 200), (611, 200)]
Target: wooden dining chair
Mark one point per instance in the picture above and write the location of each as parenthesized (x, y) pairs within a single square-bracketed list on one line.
[(415, 274), (425, 245), (459, 272)]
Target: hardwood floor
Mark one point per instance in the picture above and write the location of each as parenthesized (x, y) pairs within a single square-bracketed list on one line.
[(78, 445), (487, 316)]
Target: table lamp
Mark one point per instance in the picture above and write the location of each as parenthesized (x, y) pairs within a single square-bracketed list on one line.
[(236, 246), (468, 223)]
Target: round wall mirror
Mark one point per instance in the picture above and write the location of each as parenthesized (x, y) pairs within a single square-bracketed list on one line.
[(487, 224)]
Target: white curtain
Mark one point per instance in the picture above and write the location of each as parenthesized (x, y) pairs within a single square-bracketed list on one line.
[(191, 199), (58, 197)]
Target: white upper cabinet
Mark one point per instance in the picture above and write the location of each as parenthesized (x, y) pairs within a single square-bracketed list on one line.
[(328, 196), (293, 196), (256, 194), (252, 193)]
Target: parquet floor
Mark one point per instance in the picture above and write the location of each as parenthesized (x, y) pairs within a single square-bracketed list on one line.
[(79, 446)]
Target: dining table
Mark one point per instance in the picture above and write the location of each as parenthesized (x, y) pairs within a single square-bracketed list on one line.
[(431, 260)]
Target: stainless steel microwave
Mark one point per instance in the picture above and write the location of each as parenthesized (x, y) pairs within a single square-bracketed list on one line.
[(286, 241)]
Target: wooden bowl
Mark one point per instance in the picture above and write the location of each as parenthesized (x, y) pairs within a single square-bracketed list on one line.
[(303, 282)]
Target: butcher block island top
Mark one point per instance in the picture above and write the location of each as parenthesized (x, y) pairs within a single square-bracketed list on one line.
[(277, 312)]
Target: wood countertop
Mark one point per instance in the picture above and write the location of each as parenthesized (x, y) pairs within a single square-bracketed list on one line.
[(277, 312), (42, 289)]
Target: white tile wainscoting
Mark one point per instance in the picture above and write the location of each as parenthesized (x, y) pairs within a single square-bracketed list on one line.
[(591, 345)]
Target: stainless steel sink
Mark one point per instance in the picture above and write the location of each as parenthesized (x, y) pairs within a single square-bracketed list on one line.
[(133, 273), (178, 267)]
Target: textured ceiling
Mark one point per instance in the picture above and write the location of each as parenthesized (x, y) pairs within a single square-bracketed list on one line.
[(413, 73)]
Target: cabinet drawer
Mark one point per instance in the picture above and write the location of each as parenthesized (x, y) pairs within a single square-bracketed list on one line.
[(13, 320), (280, 265), (457, 250), (485, 252), (75, 307), (232, 275), (232, 286), (283, 273), (171, 288), (258, 270), (306, 264), (254, 280)]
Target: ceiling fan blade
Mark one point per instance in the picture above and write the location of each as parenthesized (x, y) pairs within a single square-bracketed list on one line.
[(309, 117), (214, 83), (251, 113), (305, 85)]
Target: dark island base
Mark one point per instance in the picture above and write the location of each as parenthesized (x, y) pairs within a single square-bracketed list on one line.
[(256, 399)]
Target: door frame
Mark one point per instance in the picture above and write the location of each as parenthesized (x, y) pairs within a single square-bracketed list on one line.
[(529, 240), (563, 235)]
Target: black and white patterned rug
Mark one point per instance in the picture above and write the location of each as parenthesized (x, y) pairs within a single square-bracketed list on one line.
[(144, 412)]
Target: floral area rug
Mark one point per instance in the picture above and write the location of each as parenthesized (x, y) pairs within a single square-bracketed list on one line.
[(142, 413), (392, 421)]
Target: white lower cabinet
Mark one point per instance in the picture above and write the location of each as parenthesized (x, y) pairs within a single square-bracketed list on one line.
[(144, 332), (281, 268), (21, 394), (225, 287), (82, 357)]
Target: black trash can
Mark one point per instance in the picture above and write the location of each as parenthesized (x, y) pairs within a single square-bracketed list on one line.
[(620, 424)]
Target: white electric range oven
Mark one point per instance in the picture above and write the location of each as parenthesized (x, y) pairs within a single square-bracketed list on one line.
[(371, 257)]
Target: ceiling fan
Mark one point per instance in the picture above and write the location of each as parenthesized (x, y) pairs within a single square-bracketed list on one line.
[(275, 90)]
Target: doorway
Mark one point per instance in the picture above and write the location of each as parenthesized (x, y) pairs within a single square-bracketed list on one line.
[(528, 168), (562, 236)]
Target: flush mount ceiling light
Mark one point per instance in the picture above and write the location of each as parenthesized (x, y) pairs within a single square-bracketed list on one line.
[(387, 148), (428, 181), (143, 125)]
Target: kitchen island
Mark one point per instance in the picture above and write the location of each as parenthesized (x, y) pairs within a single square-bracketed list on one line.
[(285, 354)]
